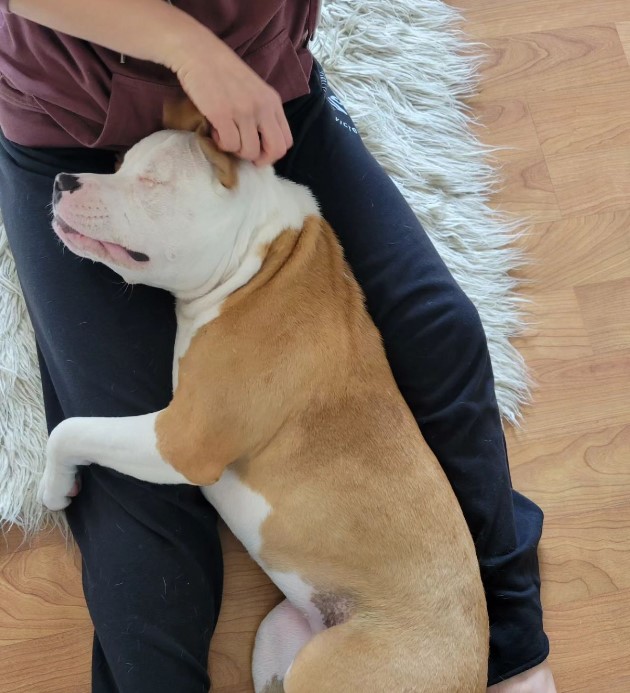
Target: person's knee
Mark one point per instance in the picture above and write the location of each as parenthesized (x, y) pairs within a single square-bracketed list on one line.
[(443, 331), (147, 550), (465, 329), (438, 351), (461, 363)]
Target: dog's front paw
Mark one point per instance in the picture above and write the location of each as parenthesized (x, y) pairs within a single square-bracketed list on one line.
[(56, 490), (57, 485)]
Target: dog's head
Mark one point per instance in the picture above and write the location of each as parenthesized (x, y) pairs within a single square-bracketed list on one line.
[(172, 213)]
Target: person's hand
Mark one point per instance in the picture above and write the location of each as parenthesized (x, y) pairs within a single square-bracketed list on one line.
[(536, 680), (245, 113)]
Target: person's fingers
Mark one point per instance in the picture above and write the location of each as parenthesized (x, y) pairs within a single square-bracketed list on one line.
[(250, 142), (254, 129), (286, 130), (273, 143), (228, 136)]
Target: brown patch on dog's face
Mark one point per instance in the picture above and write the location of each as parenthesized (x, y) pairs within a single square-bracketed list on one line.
[(182, 114)]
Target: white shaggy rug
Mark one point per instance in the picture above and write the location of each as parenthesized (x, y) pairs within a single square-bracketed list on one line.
[(401, 67)]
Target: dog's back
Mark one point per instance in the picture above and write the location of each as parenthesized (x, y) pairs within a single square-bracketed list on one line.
[(362, 523)]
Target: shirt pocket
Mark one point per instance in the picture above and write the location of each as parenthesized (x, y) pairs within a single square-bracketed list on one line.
[(17, 98), (134, 111)]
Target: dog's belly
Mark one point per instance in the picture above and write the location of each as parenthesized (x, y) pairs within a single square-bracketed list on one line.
[(244, 511)]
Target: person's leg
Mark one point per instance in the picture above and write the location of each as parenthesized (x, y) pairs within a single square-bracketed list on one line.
[(438, 353), (152, 566)]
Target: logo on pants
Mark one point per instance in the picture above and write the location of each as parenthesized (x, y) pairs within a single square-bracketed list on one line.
[(342, 117)]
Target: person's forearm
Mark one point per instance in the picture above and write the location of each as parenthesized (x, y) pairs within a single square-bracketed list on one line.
[(146, 29)]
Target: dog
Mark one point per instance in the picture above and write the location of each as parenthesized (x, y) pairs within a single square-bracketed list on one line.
[(286, 414)]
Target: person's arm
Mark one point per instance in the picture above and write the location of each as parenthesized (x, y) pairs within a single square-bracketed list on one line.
[(536, 680), (238, 104), (146, 29)]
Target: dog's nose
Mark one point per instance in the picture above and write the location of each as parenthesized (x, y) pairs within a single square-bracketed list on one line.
[(65, 182)]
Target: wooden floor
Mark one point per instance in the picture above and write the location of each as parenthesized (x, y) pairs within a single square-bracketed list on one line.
[(556, 89)]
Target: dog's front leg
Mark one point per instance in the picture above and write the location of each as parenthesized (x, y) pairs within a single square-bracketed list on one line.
[(126, 444)]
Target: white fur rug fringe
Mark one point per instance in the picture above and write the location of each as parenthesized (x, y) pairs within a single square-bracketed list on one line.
[(401, 67)]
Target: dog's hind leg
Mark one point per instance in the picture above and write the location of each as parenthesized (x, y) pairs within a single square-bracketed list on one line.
[(368, 655), (281, 635)]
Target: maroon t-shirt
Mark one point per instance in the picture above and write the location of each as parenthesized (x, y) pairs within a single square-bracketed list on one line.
[(59, 91)]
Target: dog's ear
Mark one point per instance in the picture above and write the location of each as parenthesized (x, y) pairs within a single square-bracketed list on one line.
[(182, 114), (224, 164)]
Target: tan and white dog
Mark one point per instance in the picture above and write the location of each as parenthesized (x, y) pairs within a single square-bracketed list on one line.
[(286, 413)]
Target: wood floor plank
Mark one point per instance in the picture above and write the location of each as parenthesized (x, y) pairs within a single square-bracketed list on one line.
[(591, 182), (13, 540), (40, 594), (506, 124), (586, 554), (578, 394), (582, 483), (575, 120), (490, 18), (590, 647), (575, 251), (526, 189), (605, 309), (57, 663), (623, 29), (529, 64), (556, 328), (575, 472)]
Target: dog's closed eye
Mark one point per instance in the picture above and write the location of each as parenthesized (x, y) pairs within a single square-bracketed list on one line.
[(150, 181)]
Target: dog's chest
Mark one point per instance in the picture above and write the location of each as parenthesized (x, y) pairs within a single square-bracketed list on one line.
[(183, 338), (186, 330)]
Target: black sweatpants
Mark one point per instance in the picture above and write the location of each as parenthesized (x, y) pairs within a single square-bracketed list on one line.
[(152, 568)]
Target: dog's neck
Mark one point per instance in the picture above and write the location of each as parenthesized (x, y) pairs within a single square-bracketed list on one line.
[(281, 205)]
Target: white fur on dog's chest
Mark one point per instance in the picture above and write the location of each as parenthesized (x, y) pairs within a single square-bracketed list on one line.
[(186, 330), (194, 314)]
